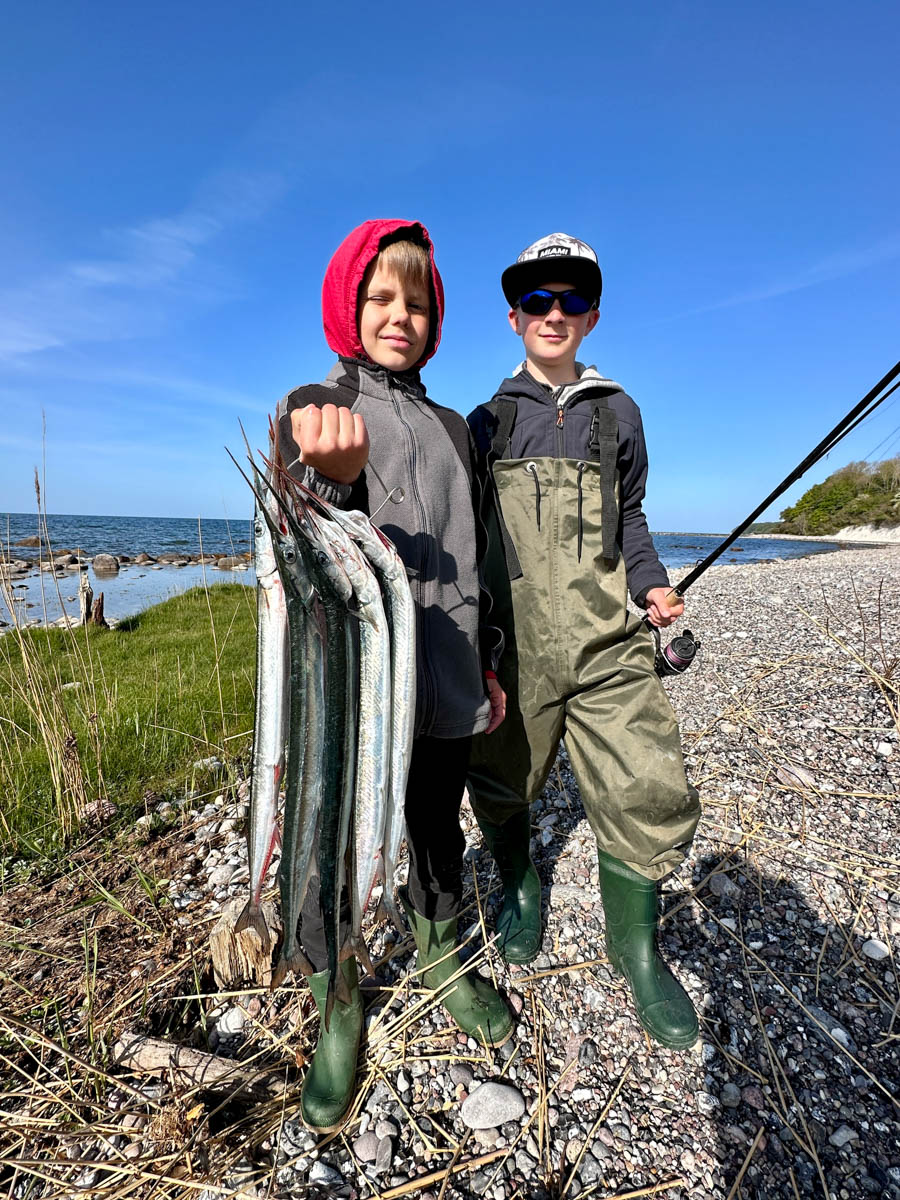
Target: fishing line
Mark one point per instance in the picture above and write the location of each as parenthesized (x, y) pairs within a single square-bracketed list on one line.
[(858, 413), (677, 656)]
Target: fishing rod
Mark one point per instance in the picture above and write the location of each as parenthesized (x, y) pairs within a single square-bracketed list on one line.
[(678, 655)]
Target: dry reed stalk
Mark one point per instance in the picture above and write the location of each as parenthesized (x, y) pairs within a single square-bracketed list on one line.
[(564, 969), (745, 1164), (522, 1132), (778, 1075), (452, 1164), (601, 1116), (872, 981), (422, 1181), (654, 1189), (787, 991), (889, 690), (538, 1012)]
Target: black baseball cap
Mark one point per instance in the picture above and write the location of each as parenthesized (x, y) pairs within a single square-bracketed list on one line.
[(559, 255)]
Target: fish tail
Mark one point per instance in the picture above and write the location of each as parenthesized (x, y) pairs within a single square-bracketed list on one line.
[(252, 917), (393, 912), (299, 963), (387, 903), (290, 961), (357, 946), (279, 974)]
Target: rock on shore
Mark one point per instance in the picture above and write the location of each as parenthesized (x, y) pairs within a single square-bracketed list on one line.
[(783, 924)]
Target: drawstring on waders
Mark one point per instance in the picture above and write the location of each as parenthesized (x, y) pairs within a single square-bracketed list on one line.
[(581, 469), (531, 468)]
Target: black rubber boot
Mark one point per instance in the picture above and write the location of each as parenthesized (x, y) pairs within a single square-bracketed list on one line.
[(632, 918), (472, 1003), (330, 1079), (519, 919)]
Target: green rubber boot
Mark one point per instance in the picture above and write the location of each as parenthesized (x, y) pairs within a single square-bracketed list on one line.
[(472, 1003), (632, 917), (519, 919), (330, 1079)]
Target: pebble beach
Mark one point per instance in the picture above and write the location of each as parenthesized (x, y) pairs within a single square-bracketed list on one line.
[(782, 924)]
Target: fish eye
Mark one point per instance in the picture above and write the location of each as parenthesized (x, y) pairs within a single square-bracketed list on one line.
[(258, 528), (289, 554)]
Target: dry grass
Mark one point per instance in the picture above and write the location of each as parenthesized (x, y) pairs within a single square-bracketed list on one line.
[(116, 958)]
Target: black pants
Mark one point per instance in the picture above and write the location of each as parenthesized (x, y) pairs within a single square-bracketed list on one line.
[(434, 790)]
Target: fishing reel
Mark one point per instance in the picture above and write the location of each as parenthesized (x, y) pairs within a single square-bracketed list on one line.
[(677, 655)]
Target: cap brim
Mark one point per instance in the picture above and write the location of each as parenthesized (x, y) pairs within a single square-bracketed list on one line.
[(522, 277)]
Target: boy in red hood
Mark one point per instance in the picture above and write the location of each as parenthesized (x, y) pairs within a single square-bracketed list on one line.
[(369, 438)]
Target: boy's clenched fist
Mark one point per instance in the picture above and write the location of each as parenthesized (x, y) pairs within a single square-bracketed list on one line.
[(332, 440)]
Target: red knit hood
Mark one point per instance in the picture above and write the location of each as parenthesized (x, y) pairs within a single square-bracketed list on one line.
[(340, 288)]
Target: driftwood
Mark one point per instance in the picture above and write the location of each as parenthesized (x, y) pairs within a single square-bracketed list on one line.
[(97, 617), (85, 598), (191, 1068), (245, 956)]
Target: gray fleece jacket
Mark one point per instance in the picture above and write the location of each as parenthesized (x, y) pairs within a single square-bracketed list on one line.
[(418, 486)]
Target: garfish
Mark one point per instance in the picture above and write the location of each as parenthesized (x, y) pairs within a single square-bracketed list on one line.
[(333, 590), (305, 744), (372, 732), (400, 611), (271, 715)]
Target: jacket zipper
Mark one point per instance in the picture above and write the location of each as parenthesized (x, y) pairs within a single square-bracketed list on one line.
[(427, 704), (560, 422)]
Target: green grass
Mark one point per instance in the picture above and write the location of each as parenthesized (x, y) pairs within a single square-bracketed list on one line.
[(166, 688)]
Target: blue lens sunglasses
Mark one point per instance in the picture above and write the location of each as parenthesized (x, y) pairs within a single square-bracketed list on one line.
[(539, 302)]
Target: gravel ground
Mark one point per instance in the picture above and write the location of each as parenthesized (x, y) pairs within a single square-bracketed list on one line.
[(783, 925)]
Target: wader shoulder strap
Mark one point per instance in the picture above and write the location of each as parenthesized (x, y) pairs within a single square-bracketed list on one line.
[(603, 449), (458, 432), (505, 411)]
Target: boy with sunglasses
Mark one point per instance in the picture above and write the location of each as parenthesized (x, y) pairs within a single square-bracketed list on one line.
[(563, 448)]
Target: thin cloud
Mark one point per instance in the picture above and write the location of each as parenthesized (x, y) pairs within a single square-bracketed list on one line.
[(155, 265), (125, 378), (833, 266)]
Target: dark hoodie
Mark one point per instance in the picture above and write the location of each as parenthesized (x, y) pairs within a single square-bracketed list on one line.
[(421, 455), (555, 423)]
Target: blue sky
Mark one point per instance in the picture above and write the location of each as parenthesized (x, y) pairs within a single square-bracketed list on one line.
[(175, 178)]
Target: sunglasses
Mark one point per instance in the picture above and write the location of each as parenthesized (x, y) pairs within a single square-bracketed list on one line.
[(540, 301)]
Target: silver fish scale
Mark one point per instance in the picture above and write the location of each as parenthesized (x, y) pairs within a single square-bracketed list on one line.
[(373, 731), (272, 711), (402, 623)]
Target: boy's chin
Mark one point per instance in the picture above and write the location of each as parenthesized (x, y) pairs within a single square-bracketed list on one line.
[(393, 361)]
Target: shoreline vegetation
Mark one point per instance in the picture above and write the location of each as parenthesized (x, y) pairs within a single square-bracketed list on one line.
[(784, 925), (93, 719), (858, 503)]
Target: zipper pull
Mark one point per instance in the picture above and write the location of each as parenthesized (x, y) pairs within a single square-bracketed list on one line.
[(560, 416)]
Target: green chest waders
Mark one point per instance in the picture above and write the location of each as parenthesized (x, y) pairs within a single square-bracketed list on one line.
[(579, 667)]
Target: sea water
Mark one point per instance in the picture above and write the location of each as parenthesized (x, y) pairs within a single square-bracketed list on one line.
[(134, 588)]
